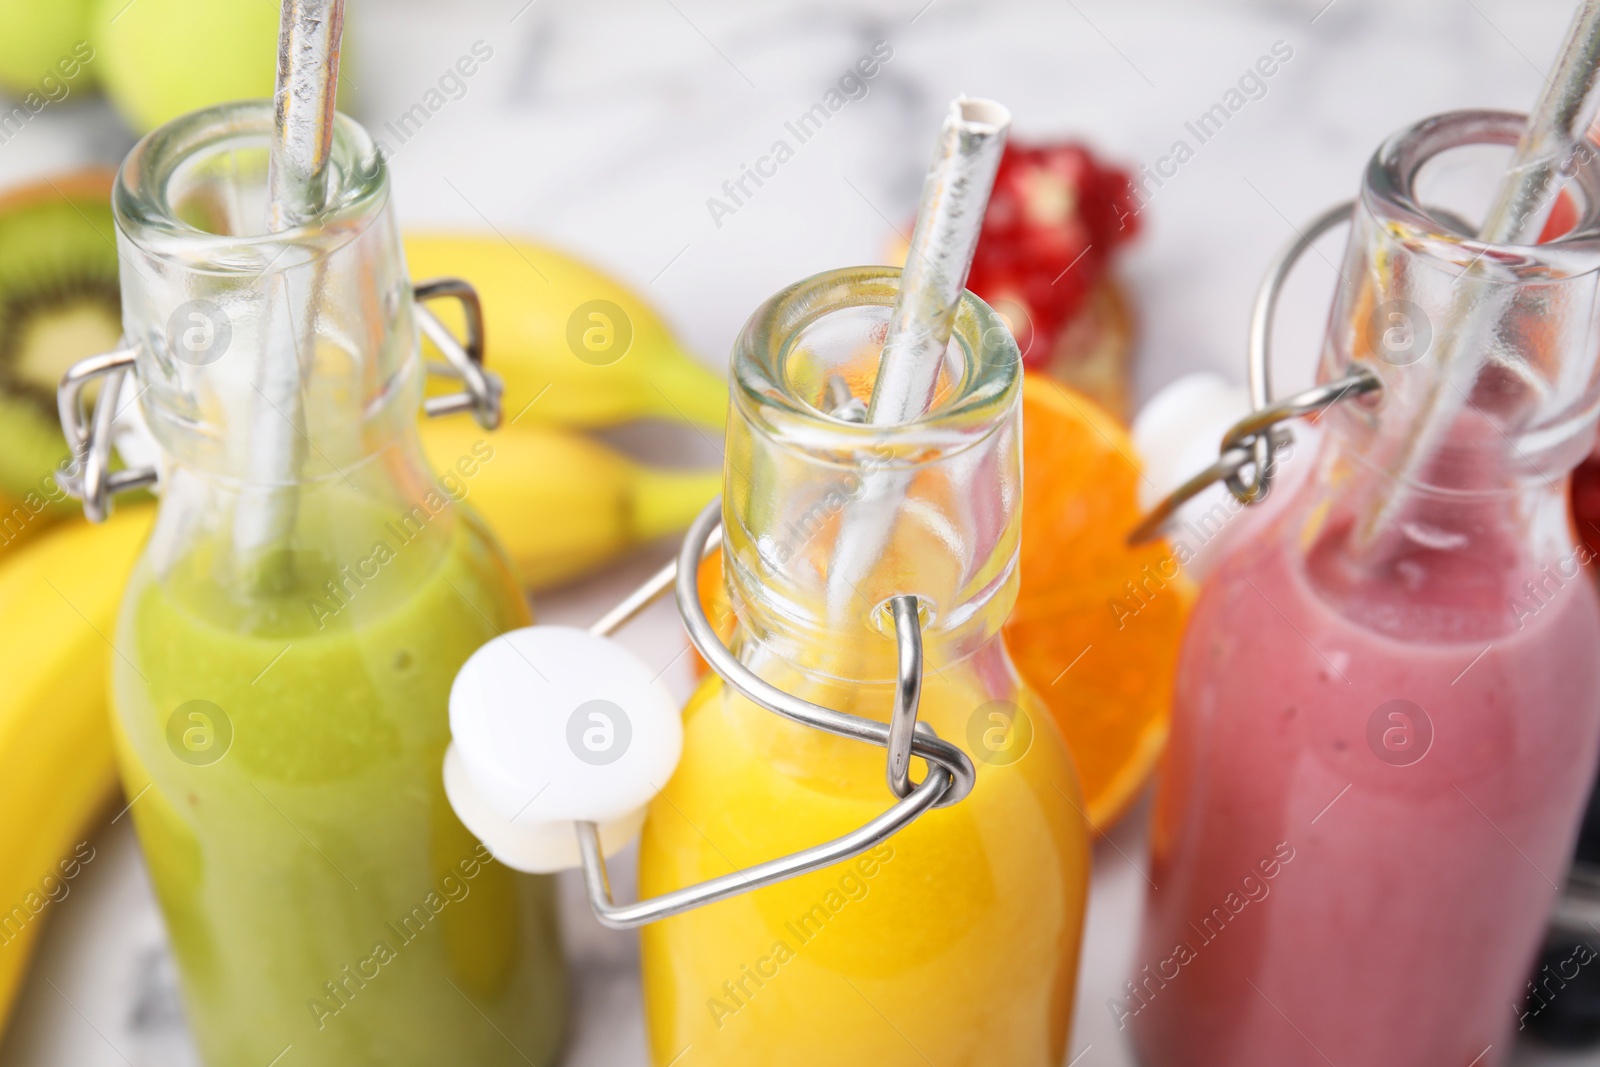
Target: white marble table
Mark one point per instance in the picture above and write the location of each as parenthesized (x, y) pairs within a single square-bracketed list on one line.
[(606, 126)]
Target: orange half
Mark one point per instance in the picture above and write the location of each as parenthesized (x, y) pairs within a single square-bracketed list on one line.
[(1097, 625)]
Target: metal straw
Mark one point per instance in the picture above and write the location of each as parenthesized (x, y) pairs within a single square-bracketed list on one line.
[(308, 74), (1540, 166), (309, 36), (955, 196), (1560, 120)]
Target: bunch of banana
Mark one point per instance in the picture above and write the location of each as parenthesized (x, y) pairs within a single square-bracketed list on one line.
[(574, 347), (58, 605)]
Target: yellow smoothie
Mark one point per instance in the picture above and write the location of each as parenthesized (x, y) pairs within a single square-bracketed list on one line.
[(874, 961)]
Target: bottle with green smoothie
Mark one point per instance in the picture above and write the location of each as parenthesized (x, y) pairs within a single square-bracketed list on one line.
[(286, 646)]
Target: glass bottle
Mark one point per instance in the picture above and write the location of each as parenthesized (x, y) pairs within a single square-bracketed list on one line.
[(1388, 702), (280, 701), (959, 936)]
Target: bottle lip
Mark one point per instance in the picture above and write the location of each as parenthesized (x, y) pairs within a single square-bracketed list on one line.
[(142, 199), (1389, 194), (972, 407)]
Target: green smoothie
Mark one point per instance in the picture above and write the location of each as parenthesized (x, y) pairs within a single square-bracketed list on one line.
[(284, 750)]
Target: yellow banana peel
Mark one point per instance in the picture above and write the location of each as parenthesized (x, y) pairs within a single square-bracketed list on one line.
[(21, 519), (58, 605), (573, 346), (561, 504)]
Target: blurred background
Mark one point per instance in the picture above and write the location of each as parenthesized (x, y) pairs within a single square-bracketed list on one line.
[(609, 129)]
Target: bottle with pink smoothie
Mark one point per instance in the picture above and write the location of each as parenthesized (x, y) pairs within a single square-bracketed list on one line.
[(1388, 704)]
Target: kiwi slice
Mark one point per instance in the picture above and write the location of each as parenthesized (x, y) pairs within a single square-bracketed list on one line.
[(59, 302)]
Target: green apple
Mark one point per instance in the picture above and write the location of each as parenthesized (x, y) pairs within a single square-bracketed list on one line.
[(163, 58), (45, 39)]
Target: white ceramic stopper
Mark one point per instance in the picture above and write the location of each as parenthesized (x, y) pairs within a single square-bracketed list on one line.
[(1177, 430), (552, 725)]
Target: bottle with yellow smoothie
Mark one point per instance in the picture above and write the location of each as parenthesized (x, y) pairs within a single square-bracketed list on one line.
[(954, 941), (286, 646)]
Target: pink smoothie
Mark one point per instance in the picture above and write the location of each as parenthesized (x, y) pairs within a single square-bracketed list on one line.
[(1323, 895)]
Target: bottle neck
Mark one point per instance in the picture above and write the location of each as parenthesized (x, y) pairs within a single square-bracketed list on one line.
[(827, 520), (289, 486), (1455, 471), (264, 358), (280, 372), (850, 638)]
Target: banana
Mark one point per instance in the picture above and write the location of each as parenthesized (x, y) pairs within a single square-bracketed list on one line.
[(58, 605), (21, 519), (574, 347), (561, 504)]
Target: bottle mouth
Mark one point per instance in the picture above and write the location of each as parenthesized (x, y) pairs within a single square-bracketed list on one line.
[(1430, 183), (1485, 349), (194, 192), (805, 364)]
